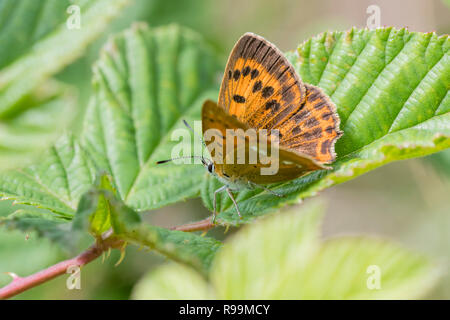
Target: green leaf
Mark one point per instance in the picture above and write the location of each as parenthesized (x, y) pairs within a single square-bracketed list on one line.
[(45, 114), (282, 258), (146, 82), (348, 268), (55, 183), (188, 248), (43, 223), (391, 91), (42, 48), (264, 254), (33, 108)]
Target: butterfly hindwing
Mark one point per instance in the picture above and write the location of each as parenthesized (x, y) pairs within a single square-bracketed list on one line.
[(314, 129)]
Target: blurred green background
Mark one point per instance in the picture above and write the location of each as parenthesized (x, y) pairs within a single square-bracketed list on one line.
[(406, 201)]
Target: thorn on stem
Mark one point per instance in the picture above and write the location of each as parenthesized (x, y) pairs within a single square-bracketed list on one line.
[(13, 275), (122, 254)]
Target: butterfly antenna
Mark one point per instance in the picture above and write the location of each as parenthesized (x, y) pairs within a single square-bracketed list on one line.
[(195, 133), (187, 157)]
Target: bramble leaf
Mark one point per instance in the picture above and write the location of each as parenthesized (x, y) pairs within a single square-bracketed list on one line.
[(146, 82), (35, 50), (38, 43)]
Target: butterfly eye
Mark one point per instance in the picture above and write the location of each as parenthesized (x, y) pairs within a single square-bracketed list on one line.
[(210, 167)]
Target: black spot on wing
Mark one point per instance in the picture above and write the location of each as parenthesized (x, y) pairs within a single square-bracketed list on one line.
[(245, 71), (254, 73), (267, 92), (238, 98), (236, 74), (296, 130), (272, 105), (257, 86), (288, 95)]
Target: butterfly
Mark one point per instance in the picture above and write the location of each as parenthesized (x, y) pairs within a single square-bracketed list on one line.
[(261, 90)]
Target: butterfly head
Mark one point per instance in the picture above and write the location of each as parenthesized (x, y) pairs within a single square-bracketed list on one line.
[(210, 167), (208, 164)]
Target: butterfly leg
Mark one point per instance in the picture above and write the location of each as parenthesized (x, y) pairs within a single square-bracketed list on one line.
[(235, 203), (214, 201), (267, 189)]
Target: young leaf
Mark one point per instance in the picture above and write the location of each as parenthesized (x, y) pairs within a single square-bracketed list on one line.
[(94, 209), (391, 91)]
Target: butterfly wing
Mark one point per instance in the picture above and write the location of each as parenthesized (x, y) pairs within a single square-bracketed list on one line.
[(291, 164), (262, 90)]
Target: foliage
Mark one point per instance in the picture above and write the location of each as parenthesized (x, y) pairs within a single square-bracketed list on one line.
[(391, 90), (33, 108), (293, 263)]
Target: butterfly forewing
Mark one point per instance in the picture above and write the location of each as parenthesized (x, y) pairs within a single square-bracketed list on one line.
[(290, 164), (262, 90), (258, 82)]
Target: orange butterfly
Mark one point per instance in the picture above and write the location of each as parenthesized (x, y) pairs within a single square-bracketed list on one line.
[(261, 90)]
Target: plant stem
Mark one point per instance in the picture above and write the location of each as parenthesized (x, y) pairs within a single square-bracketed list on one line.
[(19, 285), (201, 225)]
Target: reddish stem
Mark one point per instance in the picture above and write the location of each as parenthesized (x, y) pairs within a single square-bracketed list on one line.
[(201, 225), (19, 284)]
